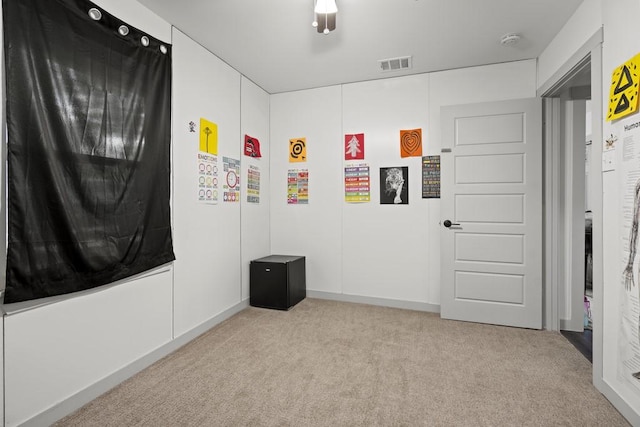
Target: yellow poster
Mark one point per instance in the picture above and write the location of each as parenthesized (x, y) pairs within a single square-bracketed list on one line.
[(208, 136), (298, 150), (623, 95)]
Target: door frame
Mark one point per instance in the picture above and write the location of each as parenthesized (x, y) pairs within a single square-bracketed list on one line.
[(564, 182), (589, 54)]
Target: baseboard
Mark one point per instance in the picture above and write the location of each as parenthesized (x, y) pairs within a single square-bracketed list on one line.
[(384, 302), (67, 406), (618, 402)]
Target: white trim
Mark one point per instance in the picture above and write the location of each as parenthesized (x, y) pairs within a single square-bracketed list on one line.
[(570, 325), (620, 404), (19, 307), (574, 184), (383, 302), (551, 201), (596, 233), (81, 398), (572, 65)]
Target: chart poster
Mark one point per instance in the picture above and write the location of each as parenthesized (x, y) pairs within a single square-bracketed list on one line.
[(252, 147), (431, 177), (231, 183), (357, 184), (297, 150), (628, 135), (253, 184), (394, 186), (411, 143), (354, 146), (208, 136), (623, 93), (207, 178), (298, 187)]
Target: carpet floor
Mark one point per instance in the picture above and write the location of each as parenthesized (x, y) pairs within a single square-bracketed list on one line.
[(328, 363)]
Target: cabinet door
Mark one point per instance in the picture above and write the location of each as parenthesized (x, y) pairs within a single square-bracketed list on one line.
[(268, 285)]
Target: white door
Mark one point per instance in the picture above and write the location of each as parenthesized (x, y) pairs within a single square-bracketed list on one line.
[(491, 209)]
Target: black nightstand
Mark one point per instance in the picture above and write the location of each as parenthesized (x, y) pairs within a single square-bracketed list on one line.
[(277, 281)]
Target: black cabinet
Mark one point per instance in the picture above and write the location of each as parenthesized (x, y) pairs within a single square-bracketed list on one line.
[(277, 281)]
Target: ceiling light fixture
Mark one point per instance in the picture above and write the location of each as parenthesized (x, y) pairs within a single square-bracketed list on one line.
[(325, 12)]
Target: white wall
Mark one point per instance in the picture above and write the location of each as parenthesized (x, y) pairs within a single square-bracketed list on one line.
[(583, 24), (207, 237), (622, 41), (56, 353), (255, 238), (311, 230), (385, 245), (621, 35), (370, 250)]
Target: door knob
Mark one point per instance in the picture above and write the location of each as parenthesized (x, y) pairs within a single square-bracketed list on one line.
[(448, 223)]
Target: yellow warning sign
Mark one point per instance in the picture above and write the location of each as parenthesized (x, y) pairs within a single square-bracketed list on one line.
[(623, 95), (208, 136)]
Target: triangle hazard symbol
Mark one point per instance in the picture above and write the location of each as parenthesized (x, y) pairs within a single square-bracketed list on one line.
[(624, 82), (623, 104)]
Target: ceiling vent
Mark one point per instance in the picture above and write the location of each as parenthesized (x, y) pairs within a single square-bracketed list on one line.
[(395, 64)]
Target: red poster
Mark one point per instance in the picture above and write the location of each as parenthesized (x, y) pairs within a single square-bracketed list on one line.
[(354, 146), (251, 146)]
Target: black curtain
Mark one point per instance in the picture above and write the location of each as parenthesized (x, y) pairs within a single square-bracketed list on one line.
[(88, 119)]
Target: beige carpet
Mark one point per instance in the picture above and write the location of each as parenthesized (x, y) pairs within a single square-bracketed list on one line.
[(327, 363)]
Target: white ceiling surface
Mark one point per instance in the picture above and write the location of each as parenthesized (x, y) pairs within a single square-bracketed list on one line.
[(273, 43)]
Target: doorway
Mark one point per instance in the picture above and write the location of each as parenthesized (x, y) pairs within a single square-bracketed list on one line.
[(583, 340), (569, 217), (583, 69)]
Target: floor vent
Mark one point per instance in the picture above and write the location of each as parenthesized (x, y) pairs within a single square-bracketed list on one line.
[(394, 64)]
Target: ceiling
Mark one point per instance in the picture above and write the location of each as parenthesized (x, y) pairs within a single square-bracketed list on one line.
[(273, 43)]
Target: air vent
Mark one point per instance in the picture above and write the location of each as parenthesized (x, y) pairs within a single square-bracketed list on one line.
[(395, 64)]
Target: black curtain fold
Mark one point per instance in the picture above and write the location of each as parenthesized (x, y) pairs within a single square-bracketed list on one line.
[(89, 128)]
